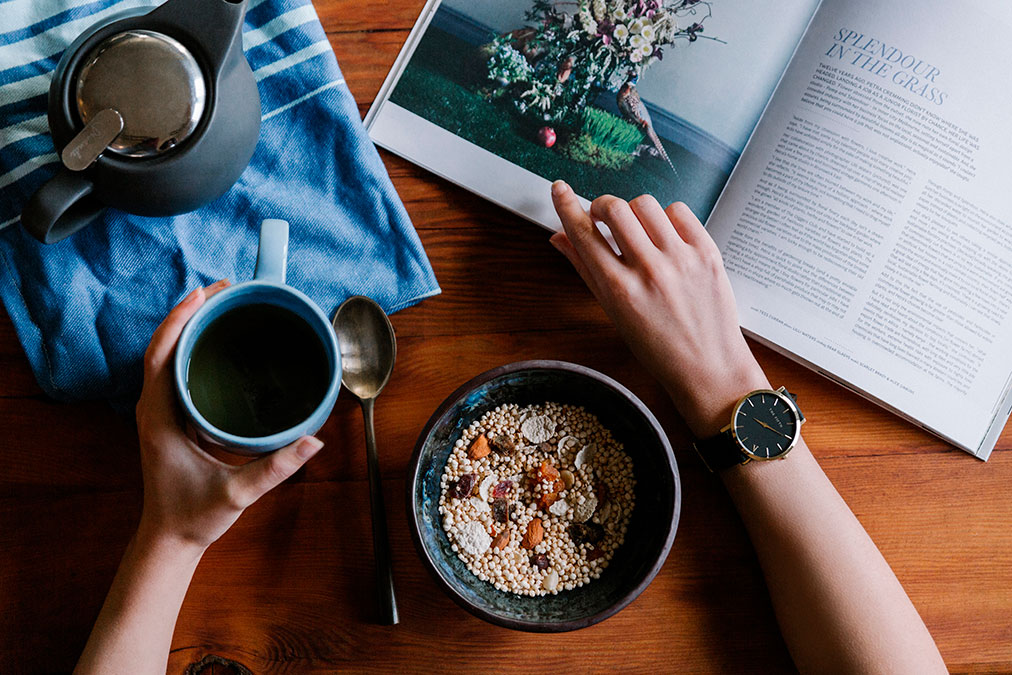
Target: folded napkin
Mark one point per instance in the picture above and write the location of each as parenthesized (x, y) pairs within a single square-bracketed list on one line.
[(85, 308)]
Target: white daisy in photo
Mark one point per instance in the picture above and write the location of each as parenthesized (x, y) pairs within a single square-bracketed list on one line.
[(621, 33), (636, 25), (637, 41)]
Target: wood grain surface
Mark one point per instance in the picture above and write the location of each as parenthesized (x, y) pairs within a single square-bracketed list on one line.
[(290, 587)]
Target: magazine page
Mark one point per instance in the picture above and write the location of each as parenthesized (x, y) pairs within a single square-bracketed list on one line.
[(868, 227), (613, 96)]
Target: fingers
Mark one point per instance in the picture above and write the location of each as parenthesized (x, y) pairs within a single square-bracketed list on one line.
[(164, 338), (655, 222), (687, 225), (163, 341), (156, 404), (629, 234), (587, 241), (258, 477)]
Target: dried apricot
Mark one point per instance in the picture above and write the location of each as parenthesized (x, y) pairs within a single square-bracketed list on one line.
[(548, 472), (547, 499)]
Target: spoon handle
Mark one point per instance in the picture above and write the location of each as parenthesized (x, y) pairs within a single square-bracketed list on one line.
[(380, 540)]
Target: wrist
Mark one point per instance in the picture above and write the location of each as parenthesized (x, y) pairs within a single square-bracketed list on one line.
[(707, 404), (165, 546)]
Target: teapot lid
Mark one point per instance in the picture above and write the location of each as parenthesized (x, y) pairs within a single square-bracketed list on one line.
[(152, 81)]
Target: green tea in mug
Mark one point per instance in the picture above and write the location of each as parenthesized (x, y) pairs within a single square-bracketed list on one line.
[(257, 370)]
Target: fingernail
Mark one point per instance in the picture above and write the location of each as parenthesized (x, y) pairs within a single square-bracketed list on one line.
[(221, 283), (192, 297), (559, 188), (308, 447), (553, 240)]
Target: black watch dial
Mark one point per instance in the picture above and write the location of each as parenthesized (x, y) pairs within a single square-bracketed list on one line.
[(765, 425)]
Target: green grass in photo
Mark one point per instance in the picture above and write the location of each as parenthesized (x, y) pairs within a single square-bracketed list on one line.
[(604, 140), (611, 131)]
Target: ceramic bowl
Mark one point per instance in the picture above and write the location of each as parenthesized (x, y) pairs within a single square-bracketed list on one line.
[(651, 527)]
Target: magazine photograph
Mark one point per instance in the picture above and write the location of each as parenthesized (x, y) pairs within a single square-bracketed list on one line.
[(624, 97)]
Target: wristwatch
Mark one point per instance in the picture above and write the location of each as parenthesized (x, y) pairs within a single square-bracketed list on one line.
[(765, 424)]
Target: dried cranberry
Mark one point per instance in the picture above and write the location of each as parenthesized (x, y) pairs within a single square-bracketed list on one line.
[(464, 485), (601, 491), (500, 510), (502, 488), (589, 533), (540, 560)]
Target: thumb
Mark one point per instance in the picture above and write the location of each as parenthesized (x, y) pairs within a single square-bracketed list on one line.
[(260, 476)]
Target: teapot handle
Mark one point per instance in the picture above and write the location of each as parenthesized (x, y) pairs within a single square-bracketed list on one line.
[(215, 25), (61, 207)]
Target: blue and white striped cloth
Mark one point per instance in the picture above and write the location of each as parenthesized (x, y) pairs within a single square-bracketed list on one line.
[(84, 309)]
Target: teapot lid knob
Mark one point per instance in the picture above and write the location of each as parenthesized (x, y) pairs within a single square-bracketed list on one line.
[(154, 83)]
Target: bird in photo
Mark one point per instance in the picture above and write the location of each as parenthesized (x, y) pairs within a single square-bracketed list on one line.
[(565, 70), (633, 109)]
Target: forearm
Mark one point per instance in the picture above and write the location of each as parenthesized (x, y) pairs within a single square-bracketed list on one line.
[(838, 603), (133, 632)]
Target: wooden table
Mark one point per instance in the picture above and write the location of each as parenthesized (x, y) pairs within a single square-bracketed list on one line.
[(290, 586)]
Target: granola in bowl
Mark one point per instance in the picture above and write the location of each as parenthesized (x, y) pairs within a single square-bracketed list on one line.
[(536, 499)]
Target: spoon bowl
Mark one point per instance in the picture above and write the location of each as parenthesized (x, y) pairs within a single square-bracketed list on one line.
[(368, 346)]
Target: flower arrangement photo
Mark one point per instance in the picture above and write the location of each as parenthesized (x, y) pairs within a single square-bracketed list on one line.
[(551, 70), (552, 88)]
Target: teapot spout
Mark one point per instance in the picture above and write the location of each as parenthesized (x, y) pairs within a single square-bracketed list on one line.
[(213, 27)]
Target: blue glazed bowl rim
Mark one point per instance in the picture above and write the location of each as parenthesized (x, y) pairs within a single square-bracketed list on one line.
[(413, 477), (257, 444)]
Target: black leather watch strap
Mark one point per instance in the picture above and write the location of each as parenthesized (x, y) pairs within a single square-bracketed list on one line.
[(720, 452)]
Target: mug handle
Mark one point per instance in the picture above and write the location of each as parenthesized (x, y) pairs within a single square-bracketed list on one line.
[(61, 207), (272, 254)]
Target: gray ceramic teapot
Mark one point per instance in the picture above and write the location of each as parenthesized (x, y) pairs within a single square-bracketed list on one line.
[(155, 112)]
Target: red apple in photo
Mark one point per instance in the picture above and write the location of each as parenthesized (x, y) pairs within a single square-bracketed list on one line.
[(546, 135)]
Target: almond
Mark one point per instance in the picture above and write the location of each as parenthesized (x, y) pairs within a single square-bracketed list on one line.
[(535, 533), (501, 540), (479, 448)]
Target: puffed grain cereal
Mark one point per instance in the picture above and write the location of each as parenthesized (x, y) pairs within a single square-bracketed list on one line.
[(545, 509)]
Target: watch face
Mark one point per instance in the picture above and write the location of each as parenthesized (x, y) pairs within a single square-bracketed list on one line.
[(765, 425)]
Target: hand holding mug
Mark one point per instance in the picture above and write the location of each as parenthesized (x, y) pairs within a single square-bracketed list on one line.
[(189, 496)]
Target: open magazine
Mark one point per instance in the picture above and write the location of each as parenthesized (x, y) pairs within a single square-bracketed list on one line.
[(849, 157)]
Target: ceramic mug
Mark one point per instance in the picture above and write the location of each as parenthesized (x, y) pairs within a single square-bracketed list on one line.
[(267, 288)]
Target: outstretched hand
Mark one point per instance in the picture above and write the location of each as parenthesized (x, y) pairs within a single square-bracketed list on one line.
[(189, 496), (669, 297)]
